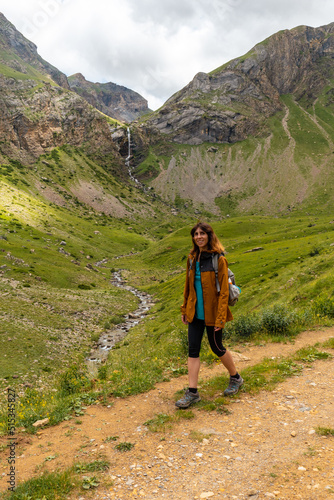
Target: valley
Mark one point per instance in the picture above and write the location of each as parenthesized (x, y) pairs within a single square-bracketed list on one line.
[(86, 197)]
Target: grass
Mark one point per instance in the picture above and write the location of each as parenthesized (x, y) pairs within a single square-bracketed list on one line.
[(325, 431), (267, 374), (60, 485), (163, 421), (50, 485), (95, 466), (124, 446), (65, 320)]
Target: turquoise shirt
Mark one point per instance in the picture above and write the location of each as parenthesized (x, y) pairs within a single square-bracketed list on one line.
[(199, 293)]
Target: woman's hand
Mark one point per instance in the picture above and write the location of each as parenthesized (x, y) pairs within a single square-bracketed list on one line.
[(217, 328), (184, 319)]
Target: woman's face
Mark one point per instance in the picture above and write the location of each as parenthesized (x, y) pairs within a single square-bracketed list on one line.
[(201, 239)]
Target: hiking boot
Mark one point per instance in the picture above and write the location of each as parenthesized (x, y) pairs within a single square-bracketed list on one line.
[(233, 386), (188, 399)]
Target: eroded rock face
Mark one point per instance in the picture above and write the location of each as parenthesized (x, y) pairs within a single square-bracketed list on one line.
[(113, 100), (234, 101), (36, 118), (39, 111)]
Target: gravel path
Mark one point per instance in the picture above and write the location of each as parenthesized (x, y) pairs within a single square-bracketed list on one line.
[(266, 447)]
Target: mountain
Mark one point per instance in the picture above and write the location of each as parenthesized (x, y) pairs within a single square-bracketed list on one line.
[(56, 147), (20, 55), (113, 100), (38, 111), (235, 100), (269, 117), (256, 135)]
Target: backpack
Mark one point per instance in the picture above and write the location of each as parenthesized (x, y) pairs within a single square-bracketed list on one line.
[(234, 290)]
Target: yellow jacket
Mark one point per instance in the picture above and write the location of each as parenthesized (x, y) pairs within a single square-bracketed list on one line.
[(216, 310)]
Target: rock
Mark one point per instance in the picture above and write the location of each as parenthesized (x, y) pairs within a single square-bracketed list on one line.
[(256, 249), (57, 116), (209, 108), (113, 100), (239, 357), (40, 423), (207, 494)]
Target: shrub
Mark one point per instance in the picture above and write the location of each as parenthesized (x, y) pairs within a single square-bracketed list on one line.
[(102, 372), (73, 380), (83, 286), (246, 326), (277, 320), (124, 446), (324, 305)]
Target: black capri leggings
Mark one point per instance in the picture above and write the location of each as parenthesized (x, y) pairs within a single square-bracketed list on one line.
[(195, 335)]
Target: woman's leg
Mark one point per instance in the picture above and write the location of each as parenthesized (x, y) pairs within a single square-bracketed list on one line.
[(216, 343), (228, 362), (215, 340), (193, 371), (195, 335)]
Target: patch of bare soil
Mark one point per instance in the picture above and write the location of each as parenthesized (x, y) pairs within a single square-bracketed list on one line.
[(266, 447), (94, 196)]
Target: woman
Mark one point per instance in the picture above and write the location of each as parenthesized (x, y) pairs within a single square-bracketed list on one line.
[(204, 308)]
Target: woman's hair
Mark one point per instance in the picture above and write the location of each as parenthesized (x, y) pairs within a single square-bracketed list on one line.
[(214, 244)]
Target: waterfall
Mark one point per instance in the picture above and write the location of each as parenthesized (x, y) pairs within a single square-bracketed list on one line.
[(127, 162)]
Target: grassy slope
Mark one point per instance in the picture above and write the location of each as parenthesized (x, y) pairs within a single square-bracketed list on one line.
[(296, 263), (56, 263), (49, 321), (30, 72)]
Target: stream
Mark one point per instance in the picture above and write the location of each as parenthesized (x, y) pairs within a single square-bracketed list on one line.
[(110, 338)]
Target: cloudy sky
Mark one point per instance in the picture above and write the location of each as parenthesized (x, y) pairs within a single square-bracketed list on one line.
[(154, 47)]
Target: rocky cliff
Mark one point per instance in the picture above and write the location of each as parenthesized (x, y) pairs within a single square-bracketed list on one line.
[(113, 100), (37, 117), (235, 100), (38, 111)]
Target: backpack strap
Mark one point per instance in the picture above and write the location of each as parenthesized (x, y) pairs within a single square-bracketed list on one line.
[(191, 260), (215, 258)]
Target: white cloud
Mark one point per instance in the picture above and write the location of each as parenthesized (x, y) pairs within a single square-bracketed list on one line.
[(154, 47)]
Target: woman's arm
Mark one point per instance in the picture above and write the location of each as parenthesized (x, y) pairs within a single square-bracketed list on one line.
[(185, 291), (223, 309)]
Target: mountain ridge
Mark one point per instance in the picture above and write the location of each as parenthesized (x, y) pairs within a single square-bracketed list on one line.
[(24, 51), (239, 139), (113, 100), (232, 102)]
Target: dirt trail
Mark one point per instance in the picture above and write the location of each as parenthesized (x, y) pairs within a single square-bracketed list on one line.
[(266, 447)]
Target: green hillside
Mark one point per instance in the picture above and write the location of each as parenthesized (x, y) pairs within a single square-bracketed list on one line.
[(57, 297)]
